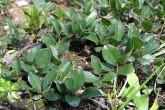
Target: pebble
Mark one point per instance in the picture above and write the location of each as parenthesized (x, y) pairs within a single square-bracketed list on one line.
[(6, 28), (22, 3)]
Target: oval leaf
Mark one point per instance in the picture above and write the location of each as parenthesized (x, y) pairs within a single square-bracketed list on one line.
[(126, 69), (74, 101), (48, 79), (42, 58), (110, 54), (90, 92), (119, 31), (34, 81), (96, 64), (52, 96)]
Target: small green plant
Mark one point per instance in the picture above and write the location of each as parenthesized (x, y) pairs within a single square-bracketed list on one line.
[(16, 38), (123, 36), (8, 89)]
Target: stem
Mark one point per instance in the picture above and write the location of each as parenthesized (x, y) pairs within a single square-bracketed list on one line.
[(114, 88), (134, 92)]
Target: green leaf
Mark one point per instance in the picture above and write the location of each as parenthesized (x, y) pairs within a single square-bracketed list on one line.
[(15, 95), (62, 47), (95, 61), (6, 73), (76, 80), (33, 18), (163, 5), (54, 51), (48, 79), (9, 97), (155, 105), (137, 43), (119, 31), (141, 103), (110, 54), (13, 31), (4, 41), (149, 38), (48, 40), (129, 45), (57, 26), (16, 65), (133, 81), (79, 78), (26, 67), (64, 69), (52, 96), (33, 52), (87, 6), (108, 77), (126, 69), (93, 37), (37, 97), (90, 92), (71, 12), (150, 48), (73, 101), (34, 81), (90, 19), (90, 78), (135, 33), (147, 25), (24, 86), (69, 82), (145, 11), (42, 58), (103, 30), (141, 2), (146, 59), (2, 94)]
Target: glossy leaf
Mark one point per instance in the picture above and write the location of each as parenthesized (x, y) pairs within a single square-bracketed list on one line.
[(90, 92), (90, 78), (69, 82), (90, 19), (108, 77), (133, 81), (148, 38), (37, 97), (110, 54), (33, 52), (141, 103), (48, 40), (79, 78), (137, 43), (95, 61), (74, 101), (119, 31), (54, 51), (57, 27), (48, 79), (93, 37), (141, 2), (51, 96), (63, 47), (150, 48), (76, 80), (126, 69), (42, 58), (64, 69), (34, 81), (16, 65)]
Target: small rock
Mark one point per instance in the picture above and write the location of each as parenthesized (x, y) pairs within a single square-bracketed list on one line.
[(22, 3), (6, 28)]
